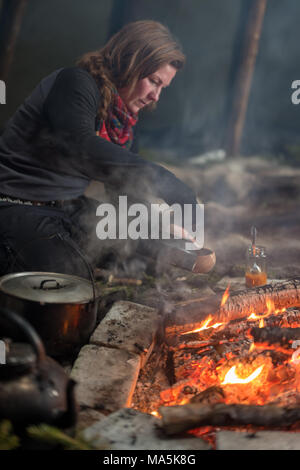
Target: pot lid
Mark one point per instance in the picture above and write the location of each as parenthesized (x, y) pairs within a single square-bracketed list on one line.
[(47, 287)]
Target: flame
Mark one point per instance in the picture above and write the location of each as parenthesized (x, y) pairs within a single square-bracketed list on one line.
[(204, 326), (156, 414), (253, 316), (225, 296), (270, 311), (206, 323), (232, 378), (270, 306), (205, 371), (296, 356)]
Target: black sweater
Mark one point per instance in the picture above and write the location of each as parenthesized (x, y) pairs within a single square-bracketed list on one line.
[(49, 149)]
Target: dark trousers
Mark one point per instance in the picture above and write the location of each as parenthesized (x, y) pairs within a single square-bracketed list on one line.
[(40, 238)]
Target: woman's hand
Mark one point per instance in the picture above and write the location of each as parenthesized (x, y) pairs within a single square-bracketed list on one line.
[(181, 233)]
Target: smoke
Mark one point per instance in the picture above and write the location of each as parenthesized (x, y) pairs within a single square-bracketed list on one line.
[(243, 192), (193, 115)]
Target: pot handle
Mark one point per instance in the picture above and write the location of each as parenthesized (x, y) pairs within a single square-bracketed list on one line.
[(57, 285), (29, 331)]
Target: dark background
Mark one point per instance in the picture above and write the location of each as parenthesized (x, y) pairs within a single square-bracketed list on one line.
[(193, 113)]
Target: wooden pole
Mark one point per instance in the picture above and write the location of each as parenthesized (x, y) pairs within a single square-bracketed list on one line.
[(10, 21), (244, 78)]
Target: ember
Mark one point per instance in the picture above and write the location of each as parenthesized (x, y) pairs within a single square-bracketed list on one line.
[(247, 361), (233, 354)]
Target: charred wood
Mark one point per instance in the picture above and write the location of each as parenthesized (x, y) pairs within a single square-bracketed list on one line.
[(189, 315), (210, 396), (283, 295), (281, 336), (239, 305)]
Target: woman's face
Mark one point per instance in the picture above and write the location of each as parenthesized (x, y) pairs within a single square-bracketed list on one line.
[(147, 90)]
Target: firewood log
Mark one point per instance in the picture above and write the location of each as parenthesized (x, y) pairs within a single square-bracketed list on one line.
[(189, 315), (282, 336), (241, 304), (285, 294), (176, 419)]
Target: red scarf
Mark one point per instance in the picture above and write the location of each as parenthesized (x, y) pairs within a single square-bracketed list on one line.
[(117, 127)]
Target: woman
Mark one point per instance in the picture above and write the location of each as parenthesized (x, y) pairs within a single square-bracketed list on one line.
[(77, 126)]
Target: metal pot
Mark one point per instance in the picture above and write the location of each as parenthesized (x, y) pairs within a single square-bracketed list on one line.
[(33, 387), (62, 308)]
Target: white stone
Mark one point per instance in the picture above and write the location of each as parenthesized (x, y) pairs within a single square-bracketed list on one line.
[(261, 440), (130, 327), (106, 377), (129, 429)]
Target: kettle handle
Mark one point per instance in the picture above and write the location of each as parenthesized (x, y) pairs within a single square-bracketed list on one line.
[(29, 331)]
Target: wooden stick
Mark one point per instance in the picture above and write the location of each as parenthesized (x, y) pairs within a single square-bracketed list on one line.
[(176, 419), (112, 280)]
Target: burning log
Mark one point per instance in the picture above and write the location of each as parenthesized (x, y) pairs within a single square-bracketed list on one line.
[(176, 419), (239, 305), (281, 336), (282, 295), (190, 315)]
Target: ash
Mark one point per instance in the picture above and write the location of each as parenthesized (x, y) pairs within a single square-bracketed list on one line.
[(152, 380)]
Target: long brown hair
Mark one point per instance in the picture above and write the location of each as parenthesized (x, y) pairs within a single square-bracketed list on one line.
[(136, 51)]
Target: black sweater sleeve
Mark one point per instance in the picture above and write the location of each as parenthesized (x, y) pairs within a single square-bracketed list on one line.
[(70, 110)]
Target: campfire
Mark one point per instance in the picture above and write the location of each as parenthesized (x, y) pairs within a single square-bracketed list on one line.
[(238, 366)]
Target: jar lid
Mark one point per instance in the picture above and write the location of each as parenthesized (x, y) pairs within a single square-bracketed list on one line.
[(47, 287)]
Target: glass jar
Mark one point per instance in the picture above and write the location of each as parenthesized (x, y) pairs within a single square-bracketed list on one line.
[(256, 269)]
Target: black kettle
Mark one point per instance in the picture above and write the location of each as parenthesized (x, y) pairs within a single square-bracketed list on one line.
[(34, 388)]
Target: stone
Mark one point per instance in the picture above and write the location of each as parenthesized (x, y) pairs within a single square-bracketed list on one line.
[(130, 327), (261, 440), (87, 417), (106, 377), (129, 429)]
